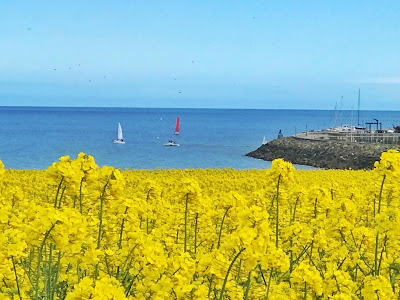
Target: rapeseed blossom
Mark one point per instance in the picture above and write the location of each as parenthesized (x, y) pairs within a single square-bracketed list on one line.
[(80, 231)]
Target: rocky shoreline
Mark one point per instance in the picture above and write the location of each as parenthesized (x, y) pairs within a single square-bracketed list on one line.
[(322, 154)]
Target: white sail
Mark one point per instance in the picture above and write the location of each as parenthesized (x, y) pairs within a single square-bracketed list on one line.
[(119, 132), (264, 141)]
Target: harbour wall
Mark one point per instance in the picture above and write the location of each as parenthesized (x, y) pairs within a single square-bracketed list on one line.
[(327, 154), (392, 138)]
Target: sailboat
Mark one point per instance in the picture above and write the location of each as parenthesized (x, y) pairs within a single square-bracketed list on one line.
[(171, 143), (119, 140), (264, 141), (177, 126), (359, 127)]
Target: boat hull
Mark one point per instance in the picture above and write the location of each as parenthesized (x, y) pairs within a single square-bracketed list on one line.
[(118, 142)]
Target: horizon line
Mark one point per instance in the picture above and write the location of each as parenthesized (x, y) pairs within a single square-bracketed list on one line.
[(215, 108)]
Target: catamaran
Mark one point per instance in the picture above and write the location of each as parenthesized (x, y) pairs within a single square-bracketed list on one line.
[(119, 139), (177, 126)]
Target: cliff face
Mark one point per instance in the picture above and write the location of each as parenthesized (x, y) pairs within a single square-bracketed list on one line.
[(322, 154)]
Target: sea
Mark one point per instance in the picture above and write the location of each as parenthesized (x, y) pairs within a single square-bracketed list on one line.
[(35, 137)]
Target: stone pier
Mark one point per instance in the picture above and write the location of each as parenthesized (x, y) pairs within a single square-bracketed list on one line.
[(328, 154)]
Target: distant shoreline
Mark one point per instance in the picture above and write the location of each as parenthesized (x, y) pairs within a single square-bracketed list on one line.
[(181, 108), (322, 154)]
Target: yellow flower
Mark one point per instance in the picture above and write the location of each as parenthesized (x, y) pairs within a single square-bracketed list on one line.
[(335, 228), (377, 287), (305, 273), (389, 163), (282, 169), (83, 290), (1, 168)]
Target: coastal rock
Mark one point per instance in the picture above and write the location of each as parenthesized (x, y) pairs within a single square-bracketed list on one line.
[(322, 154)]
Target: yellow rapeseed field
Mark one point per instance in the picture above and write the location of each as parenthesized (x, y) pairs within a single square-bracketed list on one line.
[(77, 231)]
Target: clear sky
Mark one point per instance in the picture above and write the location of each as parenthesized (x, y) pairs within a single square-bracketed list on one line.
[(218, 54)]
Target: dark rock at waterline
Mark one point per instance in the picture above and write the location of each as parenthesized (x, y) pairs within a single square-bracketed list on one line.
[(322, 154)]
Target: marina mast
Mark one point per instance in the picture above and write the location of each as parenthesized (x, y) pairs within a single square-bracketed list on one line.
[(358, 114)]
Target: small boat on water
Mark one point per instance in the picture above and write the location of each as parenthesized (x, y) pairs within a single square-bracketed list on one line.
[(177, 126), (264, 142), (119, 139), (171, 143)]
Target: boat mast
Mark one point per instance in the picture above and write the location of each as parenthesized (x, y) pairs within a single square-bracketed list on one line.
[(340, 112), (358, 123), (335, 114)]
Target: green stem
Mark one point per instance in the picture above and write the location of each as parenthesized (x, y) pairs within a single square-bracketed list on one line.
[(227, 273), (296, 260), (294, 210), (62, 194), (376, 271), (122, 229), (131, 283), (315, 208), (383, 249), (277, 212), (268, 286), (291, 258), (78, 272), (246, 293), (238, 271), (31, 254), (186, 213), (96, 271), (311, 250), (27, 271), (16, 277), (58, 190), (107, 266), (126, 264), (220, 229), (380, 194), (147, 215), (101, 214), (57, 273), (262, 274), (195, 232), (49, 272), (80, 195), (337, 284), (40, 260), (210, 286)]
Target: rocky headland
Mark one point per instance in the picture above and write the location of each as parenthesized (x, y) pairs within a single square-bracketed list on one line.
[(322, 154)]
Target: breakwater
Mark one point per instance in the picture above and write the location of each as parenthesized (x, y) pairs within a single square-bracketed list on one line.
[(323, 154), (358, 136)]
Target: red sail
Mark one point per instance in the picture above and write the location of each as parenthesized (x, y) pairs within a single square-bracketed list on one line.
[(177, 126)]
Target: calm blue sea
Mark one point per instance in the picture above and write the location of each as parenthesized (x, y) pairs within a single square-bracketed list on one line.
[(34, 137)]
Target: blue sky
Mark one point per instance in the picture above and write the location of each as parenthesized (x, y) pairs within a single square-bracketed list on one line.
[(218, 54)]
